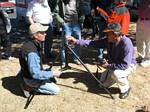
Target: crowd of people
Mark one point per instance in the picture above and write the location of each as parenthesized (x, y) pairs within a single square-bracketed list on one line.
[(109, 18)]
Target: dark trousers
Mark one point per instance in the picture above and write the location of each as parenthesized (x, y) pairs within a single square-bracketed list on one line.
[(48, 41), (6, 44), (99, 25)]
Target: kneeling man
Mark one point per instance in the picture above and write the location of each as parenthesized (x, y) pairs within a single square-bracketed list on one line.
[(121, 61), (34, 76)]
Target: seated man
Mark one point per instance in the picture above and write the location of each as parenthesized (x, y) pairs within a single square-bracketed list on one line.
[(34, 76), (121, 57)]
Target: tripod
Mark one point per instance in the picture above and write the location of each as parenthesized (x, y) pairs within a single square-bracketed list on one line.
[(67, 66)]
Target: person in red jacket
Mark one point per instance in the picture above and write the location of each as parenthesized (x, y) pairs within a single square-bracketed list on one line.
[(118, 13)]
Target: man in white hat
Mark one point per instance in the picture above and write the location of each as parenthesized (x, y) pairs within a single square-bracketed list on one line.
[(34, 76)]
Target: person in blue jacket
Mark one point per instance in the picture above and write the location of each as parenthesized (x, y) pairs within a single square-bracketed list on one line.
[(121, 61), (30, 58)]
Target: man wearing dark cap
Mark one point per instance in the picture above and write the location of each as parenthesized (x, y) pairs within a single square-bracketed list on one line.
[(34, 76), (121, 61)]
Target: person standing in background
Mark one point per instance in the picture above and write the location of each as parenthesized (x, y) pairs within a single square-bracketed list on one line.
[(39, 12), (143, 33), (66, 13), (118, 12), (99, 23), (84, 12), (5, 28)]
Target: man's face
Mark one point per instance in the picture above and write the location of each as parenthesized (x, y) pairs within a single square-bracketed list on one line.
[(40, 36), (111, 37)]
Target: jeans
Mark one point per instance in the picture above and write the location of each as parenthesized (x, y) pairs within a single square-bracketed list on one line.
[(44, 86), (48, 41), (100, 24), (70, 30)]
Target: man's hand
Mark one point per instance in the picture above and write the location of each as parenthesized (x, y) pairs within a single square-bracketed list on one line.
[(71, 40), (105, 64), (56, 73), (97, 7)]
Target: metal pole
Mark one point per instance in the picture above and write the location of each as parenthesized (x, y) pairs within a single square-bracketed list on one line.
[(90, 71)]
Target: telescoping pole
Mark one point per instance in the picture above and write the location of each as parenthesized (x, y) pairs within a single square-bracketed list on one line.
[(89, 71)]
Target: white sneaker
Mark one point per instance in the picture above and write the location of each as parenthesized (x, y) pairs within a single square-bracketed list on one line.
[(77, 62), (11, 58), (145, 63), (63, 64), (25, 91)]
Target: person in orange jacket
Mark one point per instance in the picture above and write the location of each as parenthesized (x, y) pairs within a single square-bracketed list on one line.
[(119, 13), (99, 23)]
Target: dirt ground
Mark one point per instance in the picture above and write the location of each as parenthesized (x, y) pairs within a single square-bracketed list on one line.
[(79, 92)]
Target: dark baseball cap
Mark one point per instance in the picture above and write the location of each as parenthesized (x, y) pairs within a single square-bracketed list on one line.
[(113, 27)]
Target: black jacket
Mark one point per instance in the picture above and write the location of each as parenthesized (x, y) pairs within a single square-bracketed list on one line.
[(29, 46)]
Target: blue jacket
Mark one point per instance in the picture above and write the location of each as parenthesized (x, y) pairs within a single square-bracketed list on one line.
[(31, 61)]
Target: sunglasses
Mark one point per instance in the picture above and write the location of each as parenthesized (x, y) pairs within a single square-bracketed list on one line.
[(42, 32)]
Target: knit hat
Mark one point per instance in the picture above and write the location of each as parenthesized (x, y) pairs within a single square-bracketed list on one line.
[(36, 27)]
